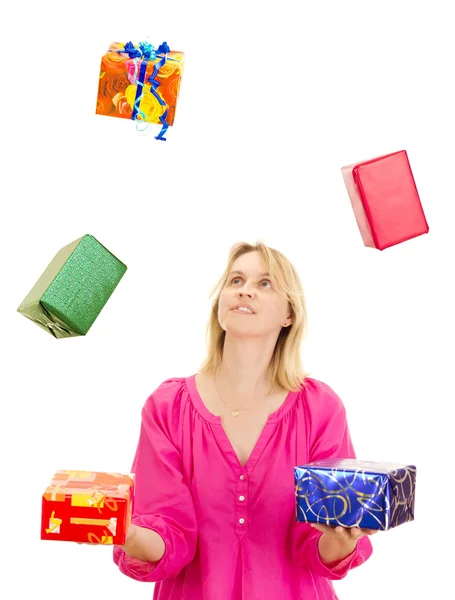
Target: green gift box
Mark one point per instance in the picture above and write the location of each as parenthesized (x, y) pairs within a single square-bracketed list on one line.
[(70, 294)]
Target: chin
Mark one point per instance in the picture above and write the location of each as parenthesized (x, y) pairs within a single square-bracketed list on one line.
[(241, 332)]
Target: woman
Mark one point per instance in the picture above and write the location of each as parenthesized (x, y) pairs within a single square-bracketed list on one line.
[(214, 515)]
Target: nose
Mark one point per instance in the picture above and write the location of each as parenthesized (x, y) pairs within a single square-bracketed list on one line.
[(246, 290)]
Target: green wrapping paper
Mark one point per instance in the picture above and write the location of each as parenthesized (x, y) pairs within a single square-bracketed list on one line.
[(70, 294)]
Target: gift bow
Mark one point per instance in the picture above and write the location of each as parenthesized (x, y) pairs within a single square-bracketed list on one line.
[(147, 52)]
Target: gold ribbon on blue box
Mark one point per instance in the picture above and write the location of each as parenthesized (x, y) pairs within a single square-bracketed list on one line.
[(355, 493)]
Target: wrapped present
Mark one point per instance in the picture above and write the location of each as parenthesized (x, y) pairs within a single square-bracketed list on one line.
[(87, 506), (141, 83), (69, 295), (385, 200), (355, 493)]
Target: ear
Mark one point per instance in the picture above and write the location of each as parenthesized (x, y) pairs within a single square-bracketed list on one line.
[(288, 322)]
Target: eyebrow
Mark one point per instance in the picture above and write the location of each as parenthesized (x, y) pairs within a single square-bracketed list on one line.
[(242, 273)]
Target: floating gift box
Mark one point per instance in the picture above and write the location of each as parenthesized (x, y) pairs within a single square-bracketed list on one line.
[(141, 83), (87, 506), (385, 200), (69, 295), (355, 493)]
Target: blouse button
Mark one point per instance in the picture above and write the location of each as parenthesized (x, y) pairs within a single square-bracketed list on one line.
[(241, 521), (242, 477), (241, 498)]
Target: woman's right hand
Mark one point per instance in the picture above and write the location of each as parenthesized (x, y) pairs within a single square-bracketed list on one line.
[(144, 544), (141, 543), (131, 536)]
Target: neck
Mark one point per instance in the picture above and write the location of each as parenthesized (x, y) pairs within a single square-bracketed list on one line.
[(245, 366)]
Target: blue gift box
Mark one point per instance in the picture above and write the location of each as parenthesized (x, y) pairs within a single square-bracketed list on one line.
[(355, 493)]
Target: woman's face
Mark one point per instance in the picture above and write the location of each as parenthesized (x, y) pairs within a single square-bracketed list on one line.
[(248, 304)]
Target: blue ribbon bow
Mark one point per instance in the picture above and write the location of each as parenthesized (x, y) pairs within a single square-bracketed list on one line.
[(148, 52)]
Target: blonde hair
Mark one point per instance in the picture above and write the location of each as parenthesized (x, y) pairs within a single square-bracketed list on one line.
[(285, 368)]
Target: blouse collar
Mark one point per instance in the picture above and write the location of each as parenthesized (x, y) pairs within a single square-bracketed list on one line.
[(201, 408)]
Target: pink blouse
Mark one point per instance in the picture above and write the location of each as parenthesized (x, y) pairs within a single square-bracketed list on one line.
[(230, 531)]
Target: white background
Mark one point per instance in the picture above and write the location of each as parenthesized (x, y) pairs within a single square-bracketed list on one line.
[(276, 98)]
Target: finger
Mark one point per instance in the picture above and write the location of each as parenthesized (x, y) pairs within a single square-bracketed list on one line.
[(356, 533), (321, 527), (338, 532), (370, 531), (89, 544)]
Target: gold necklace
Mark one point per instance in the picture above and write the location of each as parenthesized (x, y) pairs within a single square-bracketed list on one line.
[(235, 411)]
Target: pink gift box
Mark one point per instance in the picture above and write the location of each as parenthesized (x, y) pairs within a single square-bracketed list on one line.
[(385, 200)]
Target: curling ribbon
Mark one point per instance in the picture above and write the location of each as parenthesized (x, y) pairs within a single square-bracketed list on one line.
[(148, 52), (100, 500), (105, 539)]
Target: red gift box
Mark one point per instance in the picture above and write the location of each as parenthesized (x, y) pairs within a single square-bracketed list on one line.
[(385, 200), (87, 506)]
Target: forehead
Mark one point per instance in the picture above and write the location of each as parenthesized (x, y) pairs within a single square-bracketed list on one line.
[(249, 263)]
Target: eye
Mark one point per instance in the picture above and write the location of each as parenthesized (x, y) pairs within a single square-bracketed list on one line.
[(235, 279), (266, 281)]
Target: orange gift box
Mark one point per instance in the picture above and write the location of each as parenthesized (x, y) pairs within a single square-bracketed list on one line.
[(87, 506), (385, 200), (140, 82)]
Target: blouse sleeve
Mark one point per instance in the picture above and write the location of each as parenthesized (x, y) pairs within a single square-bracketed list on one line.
[(329, 438), (162, 500)]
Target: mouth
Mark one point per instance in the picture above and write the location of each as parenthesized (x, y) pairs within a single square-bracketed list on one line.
[(243, 309)]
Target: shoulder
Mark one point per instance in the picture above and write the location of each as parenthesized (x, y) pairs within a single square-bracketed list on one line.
[(318, 398), (167, 402), (326, 426)]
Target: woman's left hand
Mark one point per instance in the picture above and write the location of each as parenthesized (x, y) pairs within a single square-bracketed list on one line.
[(344, 534)]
